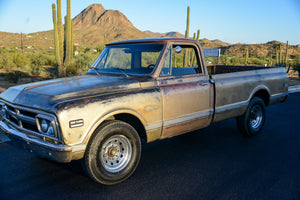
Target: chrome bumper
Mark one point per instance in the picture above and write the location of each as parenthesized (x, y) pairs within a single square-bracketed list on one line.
[(57, 152)]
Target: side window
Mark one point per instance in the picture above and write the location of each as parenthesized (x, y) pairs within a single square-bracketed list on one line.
[(185, 60), (166, 66)]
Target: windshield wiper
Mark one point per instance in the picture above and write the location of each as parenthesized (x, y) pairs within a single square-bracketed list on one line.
[(94, 68), (121, 70)]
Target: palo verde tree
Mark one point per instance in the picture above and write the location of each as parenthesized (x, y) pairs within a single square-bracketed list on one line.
[(63, 39)]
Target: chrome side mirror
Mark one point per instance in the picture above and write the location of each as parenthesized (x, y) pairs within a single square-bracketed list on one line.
[(178, 49)]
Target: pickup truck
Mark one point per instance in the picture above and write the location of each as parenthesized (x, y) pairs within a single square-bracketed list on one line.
[(136, 90)]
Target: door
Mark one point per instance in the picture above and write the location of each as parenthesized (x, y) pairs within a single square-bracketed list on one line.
[(186, 92)]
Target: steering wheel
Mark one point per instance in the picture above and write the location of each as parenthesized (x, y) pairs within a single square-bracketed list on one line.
[(150, 66)]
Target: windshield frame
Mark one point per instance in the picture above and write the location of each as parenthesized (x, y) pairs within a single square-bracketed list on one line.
[(115, 71)]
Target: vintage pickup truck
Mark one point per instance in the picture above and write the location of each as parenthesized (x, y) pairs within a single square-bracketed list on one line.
[(136, 90)]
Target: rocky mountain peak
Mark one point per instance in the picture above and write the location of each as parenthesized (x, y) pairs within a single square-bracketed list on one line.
[(96, 15)]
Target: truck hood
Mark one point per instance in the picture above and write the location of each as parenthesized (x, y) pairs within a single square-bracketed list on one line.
[(44, 95)]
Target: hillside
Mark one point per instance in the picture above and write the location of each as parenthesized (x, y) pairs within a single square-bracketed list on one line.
[(260, 50), (39, 40), (168, 34), (95, 26)]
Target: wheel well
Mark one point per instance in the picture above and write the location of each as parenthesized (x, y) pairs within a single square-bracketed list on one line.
[(264, 95), (134, 122)]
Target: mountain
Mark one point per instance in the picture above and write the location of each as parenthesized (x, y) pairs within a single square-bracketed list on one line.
[(95, 26), (205, 43), (221, 42), (168, 34)]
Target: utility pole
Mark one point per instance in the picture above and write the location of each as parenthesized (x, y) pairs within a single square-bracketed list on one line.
[(22, 48)]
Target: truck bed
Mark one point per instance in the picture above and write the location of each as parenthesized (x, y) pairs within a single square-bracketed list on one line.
[(222, 69), (236, 85)]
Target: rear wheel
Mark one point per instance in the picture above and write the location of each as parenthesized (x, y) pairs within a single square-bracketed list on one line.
[(251, 123), (113, 153)]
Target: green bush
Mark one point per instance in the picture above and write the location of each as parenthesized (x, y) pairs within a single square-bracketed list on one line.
[(21, 60), (82, 62), (7, 61)]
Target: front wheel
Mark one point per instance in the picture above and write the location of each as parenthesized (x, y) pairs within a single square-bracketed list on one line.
[(251, 123), (113, 153)]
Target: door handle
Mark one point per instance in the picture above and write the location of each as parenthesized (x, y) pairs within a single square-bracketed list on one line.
[(203, 83)]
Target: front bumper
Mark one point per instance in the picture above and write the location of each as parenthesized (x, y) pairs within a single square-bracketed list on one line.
[(57, 152)]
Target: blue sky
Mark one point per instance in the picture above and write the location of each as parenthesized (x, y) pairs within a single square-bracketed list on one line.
[(233, 21)]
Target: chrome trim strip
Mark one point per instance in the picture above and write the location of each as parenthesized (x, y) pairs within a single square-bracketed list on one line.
[(27, 119), (52, 146), (186, 118), (153, 126), (57, 152), (31, 121), (277, 96), (232, 106), (179, 120), (293, 89)]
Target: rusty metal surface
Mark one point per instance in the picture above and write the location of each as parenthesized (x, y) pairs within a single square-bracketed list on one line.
[(235, 90), (187, 105)]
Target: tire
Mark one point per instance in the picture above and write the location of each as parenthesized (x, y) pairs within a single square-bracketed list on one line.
[(252, 122), (113, 153)]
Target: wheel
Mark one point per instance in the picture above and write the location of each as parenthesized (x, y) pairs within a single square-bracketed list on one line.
[(251, 123), (113, 153)]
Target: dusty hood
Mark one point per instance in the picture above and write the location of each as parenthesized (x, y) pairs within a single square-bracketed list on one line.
[(44, 95)]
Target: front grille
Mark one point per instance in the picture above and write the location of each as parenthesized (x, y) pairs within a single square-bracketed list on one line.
[(21, 119)]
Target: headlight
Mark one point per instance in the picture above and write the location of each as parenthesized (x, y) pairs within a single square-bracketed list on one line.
[(46, 125)]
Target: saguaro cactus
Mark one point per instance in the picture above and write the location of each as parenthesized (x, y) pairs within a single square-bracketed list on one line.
[(56, 38), (185, 54), (187, 31), (198, 35), (286, 52), (280, 55), (63, 41), (277, 60), (270, 60), (68, 36), (60, 30)]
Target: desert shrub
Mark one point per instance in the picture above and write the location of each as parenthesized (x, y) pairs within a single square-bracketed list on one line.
[(38, 59), (257, 61), (7, 61), (72, 70), (21, 60), (83, 61)]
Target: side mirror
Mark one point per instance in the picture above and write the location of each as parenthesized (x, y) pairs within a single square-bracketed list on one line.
[(178, 49)]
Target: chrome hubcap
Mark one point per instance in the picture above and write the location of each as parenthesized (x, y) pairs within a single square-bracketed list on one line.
[(116, 153), (256, 116)]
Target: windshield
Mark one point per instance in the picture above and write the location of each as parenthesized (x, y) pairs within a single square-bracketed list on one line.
[(128, 59)]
